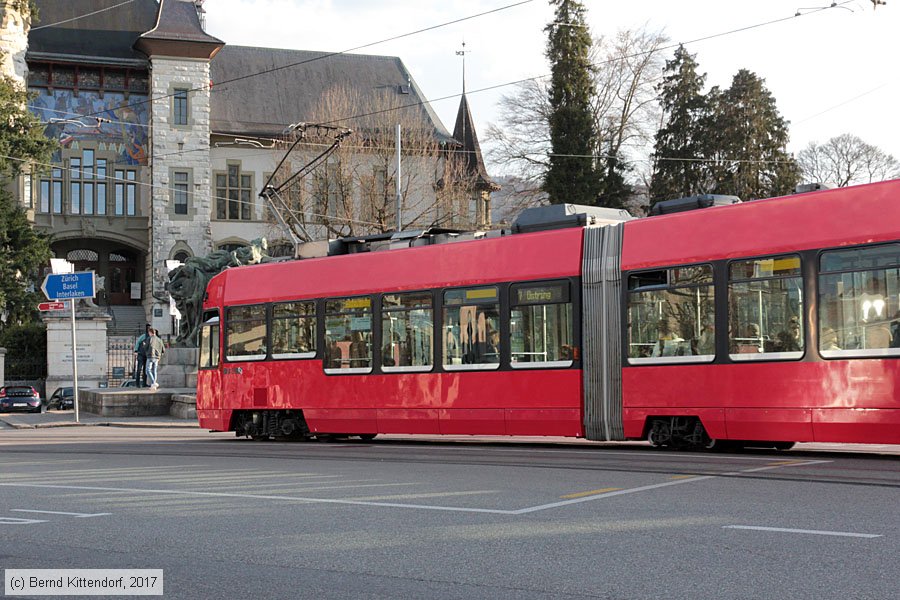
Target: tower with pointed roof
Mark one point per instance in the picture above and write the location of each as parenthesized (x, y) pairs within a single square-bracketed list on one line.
[(180, 53), (466, 164)]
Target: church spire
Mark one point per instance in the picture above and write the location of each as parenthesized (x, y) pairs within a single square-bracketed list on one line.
[(463, 54)]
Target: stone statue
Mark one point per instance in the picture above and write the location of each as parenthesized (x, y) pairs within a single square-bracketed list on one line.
[(187, 283)]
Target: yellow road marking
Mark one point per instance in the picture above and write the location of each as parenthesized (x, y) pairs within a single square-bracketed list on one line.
[(590, 493), (783, 463), (681, 476)]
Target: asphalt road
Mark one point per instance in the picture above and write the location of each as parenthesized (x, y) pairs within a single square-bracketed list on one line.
[(231, 518)]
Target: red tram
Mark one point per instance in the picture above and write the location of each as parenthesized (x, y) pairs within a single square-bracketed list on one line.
[(765, 323)]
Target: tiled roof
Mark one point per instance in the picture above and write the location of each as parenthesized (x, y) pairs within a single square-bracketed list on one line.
[(106, 37), (266, 103)]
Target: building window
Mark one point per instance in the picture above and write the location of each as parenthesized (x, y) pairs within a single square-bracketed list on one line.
[(328, 193), (765, 305), (859, 302), (82, 187), (180, 107), (233, 194), (471, 321), (406, 331), (51, 192), (671, 315), (180, 192), (101, 186)]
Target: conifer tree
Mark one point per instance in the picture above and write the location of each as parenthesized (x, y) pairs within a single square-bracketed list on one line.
[(22, 250), (677, 172), (571, 176), (747, 138)]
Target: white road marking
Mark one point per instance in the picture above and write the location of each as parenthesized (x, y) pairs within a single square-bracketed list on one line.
[(785, 465), (54, 512), (17, 521), (260, 497), (587, 450), (337, 501), (806, 531), (606, 495)]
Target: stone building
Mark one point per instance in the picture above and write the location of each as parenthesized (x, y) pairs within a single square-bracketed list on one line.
[(167, 136)]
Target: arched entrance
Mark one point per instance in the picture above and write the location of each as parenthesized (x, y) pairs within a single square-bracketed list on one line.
[(118, 269)]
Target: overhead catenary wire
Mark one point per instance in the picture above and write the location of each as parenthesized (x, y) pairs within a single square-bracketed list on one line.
[(483, 89), (76, 18), (331, 54)]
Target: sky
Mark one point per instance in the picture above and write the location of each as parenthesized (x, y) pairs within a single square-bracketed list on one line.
[(831, 71)]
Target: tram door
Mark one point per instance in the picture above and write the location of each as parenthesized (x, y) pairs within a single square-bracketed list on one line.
[(209, 376)]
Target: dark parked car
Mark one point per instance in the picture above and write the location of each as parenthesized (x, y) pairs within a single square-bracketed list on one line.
[(20, 398), (62, 398)]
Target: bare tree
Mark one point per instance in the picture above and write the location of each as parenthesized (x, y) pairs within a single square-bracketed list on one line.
[(846, 160), (520, 143), (353, 192), (624, 107)]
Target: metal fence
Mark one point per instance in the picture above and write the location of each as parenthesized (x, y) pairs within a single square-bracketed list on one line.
[(120, 359), (25, 367)]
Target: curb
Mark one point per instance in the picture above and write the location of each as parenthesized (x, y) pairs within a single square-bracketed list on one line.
[(101, 424)]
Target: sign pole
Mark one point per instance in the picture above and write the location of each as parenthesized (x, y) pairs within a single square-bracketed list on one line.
[(74, 362), (65, 284)]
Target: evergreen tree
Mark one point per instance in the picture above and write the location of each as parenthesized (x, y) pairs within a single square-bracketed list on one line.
[(679, 142), (22, 251), (571, 176), (747, 137)]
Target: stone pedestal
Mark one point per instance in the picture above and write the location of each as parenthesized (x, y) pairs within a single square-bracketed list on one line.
[(91, 353), (178, 368)]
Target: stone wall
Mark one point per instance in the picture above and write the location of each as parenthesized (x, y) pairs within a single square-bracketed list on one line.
[(13, 41), (90, 336), (182, 148)]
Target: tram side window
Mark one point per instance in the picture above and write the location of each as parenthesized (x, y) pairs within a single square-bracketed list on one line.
[(671, 315), (348, 335), (245, 332), (859, 302), (209, 343), (765, 308), (540, 325), (471, 327), (294, 330), (407, 323)]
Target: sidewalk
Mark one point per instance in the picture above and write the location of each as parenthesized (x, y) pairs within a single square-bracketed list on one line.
[(66, 418)]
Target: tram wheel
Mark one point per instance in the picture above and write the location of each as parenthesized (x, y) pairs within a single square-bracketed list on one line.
[(783, 445), (653, 437), (367, 437)]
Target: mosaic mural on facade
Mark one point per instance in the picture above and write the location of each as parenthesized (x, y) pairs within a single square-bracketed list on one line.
[(125, 135)]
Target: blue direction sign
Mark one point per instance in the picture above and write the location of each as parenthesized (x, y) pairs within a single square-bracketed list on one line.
[(69, 285)]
